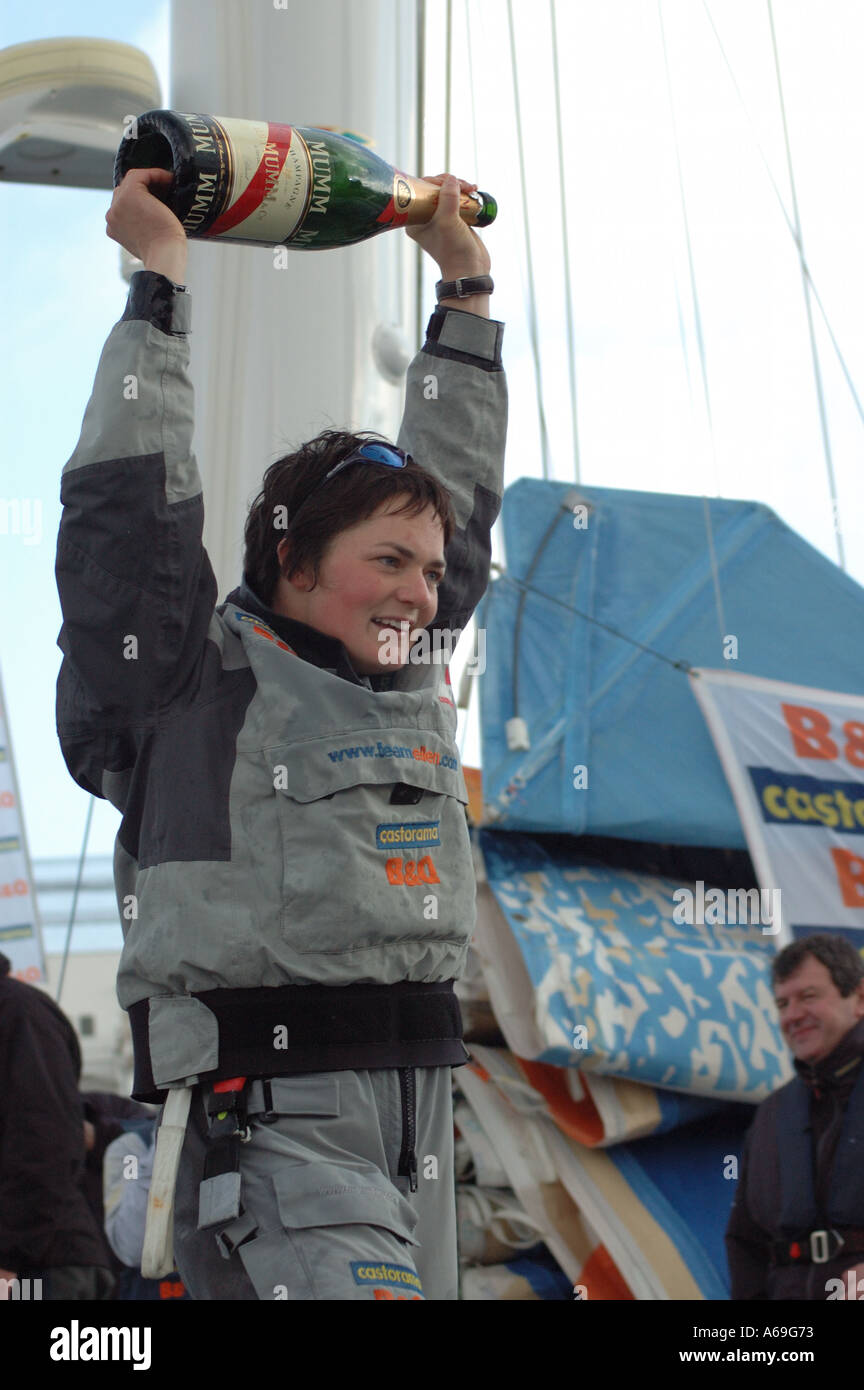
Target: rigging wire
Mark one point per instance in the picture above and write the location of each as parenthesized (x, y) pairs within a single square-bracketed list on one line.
[(682, 665), (420, 21), (520, 609), (532, 302), (817, 371), (466, 707), (74, 906), (697, 317), (786, 218), (568, 292), (470, 47), (448, 88), (399, 118)]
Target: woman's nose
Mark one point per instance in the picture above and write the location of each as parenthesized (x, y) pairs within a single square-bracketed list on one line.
[(415, 590)]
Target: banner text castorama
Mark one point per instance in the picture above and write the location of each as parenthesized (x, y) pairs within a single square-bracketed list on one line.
[(794, 760)]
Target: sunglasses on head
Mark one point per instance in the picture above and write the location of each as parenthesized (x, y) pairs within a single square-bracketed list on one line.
[(370, 453)]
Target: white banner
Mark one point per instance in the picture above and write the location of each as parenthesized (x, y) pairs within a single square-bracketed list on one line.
[(20, 937), (794, 760)]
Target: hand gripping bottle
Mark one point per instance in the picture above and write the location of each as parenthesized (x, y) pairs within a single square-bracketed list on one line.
[(267, 184)]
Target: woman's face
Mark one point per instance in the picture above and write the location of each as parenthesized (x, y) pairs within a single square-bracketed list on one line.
[(373, 578)]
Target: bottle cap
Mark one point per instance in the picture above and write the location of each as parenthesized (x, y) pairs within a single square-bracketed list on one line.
[(488, 211)]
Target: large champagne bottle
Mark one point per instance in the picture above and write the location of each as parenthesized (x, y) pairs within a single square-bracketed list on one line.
[(269, 184)]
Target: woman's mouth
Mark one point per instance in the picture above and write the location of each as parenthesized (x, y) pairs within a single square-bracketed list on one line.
[(398, 624)]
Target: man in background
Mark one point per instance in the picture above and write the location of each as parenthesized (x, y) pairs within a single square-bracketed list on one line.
[(796, 1230), (47, 1230)]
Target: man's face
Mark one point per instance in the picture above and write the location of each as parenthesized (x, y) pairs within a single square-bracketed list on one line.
[(373, 577), (814, 1015)]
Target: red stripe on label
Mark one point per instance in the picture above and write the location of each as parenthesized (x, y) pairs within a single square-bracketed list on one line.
[(261, 183), (389, 217)]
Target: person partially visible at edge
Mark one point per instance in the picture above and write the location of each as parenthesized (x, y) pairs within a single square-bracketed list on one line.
[(127, 1172), (50, 1241), (796, 1230), (294, 867)]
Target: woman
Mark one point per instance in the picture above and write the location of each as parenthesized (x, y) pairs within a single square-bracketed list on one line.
[(293, 867)]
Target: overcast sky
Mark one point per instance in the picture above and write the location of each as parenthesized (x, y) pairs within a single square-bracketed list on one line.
[(642, 420)]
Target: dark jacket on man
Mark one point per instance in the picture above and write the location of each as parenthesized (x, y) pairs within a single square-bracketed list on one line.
[(45, 1220), (802, 1172)]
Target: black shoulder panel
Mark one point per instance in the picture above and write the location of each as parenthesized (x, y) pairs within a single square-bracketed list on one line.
[(468, 556), (178, 806)]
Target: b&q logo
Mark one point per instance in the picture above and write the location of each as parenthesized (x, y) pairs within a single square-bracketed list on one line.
[(16, 889), (411, 874)]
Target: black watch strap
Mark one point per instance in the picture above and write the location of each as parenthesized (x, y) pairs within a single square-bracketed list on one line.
[(464, 287)]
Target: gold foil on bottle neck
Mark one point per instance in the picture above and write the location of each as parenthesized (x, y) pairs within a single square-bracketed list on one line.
[(424, 200)]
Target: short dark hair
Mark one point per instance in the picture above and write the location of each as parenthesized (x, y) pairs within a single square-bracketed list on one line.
[(836, 953), (352, 496)]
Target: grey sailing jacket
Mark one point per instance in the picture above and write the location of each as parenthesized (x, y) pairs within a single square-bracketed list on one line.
[(284, 824)]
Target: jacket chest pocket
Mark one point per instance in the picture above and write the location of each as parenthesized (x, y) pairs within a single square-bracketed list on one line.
[(360, 866)]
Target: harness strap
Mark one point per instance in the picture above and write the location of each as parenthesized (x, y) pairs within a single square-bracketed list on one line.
[(219, 1194), (818, 1247)]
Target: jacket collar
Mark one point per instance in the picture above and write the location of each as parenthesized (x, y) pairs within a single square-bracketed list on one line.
[(840, 1068), (310, 644)]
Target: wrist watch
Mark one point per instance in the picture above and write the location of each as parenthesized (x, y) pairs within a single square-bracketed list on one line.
[(464, 287)]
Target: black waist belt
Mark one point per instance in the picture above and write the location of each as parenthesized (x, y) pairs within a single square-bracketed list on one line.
[(818, 1247), (292, 1029)]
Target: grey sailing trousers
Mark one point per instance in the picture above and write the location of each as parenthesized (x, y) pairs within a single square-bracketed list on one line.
[(325, 1213)]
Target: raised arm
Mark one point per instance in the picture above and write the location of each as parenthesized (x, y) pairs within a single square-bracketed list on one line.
[(136, 587), (455, 420)]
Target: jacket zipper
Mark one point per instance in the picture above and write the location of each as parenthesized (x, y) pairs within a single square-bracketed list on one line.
[(407, 1157)]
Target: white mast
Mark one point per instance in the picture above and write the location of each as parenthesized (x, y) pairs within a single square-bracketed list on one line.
[(279, 354)]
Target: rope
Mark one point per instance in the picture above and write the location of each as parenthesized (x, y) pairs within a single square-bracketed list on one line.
[(697, 316), (517, 626), (75, 897), (786, 218), (448, 89), (470, 47), (568, 292), (532, 304), (823, 419), (499, 1213), (420, 18), (398, 49), (715, 573), (529, 589)]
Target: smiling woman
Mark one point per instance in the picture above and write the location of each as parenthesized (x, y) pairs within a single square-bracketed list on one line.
[(266, 742), (350, 495), (362, 548), (376, 579)]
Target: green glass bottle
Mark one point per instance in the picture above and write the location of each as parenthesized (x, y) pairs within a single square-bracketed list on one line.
[(268, 184)]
